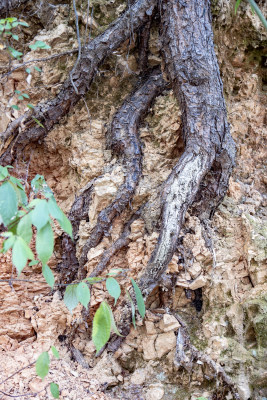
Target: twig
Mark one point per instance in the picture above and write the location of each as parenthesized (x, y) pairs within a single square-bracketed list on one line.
[(24, 395), (39, 60), (79, 44), (17, 372)]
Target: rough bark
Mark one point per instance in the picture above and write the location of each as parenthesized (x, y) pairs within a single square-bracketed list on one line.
[(93, 54), (191, 64), (124, 140), (8, 5)]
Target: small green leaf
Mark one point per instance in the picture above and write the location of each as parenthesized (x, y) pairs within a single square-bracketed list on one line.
[(38, 122), (115, 271), (30, 106), (237, 5), (20, 254), (28, 70), (83, 294), (15, 107), (113, 323), (55, 352), (139, 299), (22, 23), (45, 243), (37, 69), (14, 53), (3, 173), (25, 95), (8, 202), (113, 288), (54, 389), (24, 228), (48, 275), (14, 24), (40, 214), (11, 19), (58, 214), (15, 37), (8, 243), (101, 326), (17, 91), (39, 44), (132, 308), (42, 365), (20, 97), (70, 297)]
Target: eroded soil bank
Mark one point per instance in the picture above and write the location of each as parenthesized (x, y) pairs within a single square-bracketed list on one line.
[(220, 292)]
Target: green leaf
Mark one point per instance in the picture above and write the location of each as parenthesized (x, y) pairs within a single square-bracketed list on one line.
[(39, 44), (25, 95), (113, 323), (83, 294), (42, 365), (14, 24), (20, 97), (17, 91), (58, 214), (28, 70), (15, 37), (8, 202), (115, 271), (54, 389), (113, 288), (3, 173), (132, 307), (14, 53), (38, 122), (37, 69), (237, 5), (101, 326), (20, 254), (11, 19), (48, 275), (45, 243), (30, 106), (15, 107), (8, 243), (24, 228), (40, 214), (22, 23), (70, 297), (139, 299), (20, 192), (55, 352)]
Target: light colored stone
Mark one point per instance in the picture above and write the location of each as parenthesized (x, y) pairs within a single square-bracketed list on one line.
[(149, 352), (199, 282), (169, 323), (155, 393), (150, 328), (138, 377), (165, 343)]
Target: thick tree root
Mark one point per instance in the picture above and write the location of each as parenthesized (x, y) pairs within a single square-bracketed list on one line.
[(124, 140), (193, 70), (93, 54), (186, 353)]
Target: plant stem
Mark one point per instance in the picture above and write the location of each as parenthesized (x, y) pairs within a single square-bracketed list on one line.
[(258, 12)]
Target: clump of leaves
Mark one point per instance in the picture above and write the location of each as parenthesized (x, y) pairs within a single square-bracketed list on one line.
[(42, 366)]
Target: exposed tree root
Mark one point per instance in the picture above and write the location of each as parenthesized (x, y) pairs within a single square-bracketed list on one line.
[(186, 353), (93, 54), (124, 140), (193, 70)]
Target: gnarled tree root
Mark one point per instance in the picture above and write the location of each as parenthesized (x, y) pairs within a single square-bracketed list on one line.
[(93, 54), (124, 140), (192, 67)]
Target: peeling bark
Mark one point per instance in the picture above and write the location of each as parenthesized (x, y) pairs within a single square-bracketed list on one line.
[(124, 140), (93, 54)]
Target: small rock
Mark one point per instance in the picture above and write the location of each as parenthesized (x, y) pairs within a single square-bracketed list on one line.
[(169, 323), (138, 377), (149, 351), (199, 282), (150, 328), (155, 393), (165, 343)]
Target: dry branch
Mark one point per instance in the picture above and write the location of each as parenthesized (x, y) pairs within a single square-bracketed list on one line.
[(93, 55)]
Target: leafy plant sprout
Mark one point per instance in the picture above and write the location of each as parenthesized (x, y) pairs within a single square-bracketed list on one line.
[(28, 221)]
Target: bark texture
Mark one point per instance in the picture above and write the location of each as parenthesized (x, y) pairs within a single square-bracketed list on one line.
[(92, 56)]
